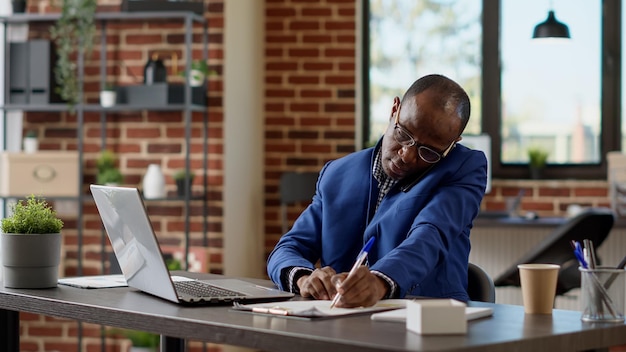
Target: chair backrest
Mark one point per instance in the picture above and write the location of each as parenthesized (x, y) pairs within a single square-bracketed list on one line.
[(295, 187), (480, 286), (593, 223)]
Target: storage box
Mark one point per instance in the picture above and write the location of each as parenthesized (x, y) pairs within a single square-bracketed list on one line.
[(44, 173), (159, 94), (436, 316), (196, 6), (31, 78)]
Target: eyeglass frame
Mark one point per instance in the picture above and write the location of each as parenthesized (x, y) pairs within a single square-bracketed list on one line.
[(418, 146)]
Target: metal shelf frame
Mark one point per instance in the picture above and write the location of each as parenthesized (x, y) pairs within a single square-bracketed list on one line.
[(188, 19)]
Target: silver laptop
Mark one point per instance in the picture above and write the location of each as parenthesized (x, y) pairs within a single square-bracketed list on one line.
[(137, 250)]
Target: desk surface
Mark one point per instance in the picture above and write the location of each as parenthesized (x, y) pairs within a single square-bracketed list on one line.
[(508, 329)]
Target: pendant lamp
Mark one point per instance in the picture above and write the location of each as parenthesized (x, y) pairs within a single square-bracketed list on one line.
[(551, 28)]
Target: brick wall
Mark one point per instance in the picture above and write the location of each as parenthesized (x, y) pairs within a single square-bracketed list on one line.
[(309, 93), (547, 197), (309, 119)]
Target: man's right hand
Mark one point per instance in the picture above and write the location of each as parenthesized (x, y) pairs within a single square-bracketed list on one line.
[(318, 284)]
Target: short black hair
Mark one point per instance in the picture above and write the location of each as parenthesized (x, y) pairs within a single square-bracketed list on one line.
[(451, 95)]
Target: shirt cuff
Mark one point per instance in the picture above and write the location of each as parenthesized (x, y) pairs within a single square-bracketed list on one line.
[(293, 275), (393, 287)]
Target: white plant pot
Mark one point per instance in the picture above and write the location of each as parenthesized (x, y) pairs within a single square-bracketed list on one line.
[(107, 98), (31, 145), (196, 78)]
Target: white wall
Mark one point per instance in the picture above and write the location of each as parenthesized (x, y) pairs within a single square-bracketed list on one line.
[(243, 138)]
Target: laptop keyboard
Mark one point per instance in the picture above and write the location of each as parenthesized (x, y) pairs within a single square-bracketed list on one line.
[(202, 289)]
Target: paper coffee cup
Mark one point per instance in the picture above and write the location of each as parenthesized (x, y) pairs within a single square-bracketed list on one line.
[(538, 283)]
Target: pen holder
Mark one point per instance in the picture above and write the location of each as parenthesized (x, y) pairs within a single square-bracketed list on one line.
[(603, 296)]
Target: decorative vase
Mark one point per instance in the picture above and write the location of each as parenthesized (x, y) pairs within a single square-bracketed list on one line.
[(31, 145), (154, 71), (107, 98), (153, 182), (30, 260)]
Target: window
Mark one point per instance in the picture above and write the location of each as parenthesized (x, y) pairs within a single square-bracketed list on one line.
[(550, 87), (564, 98), (409, 39)]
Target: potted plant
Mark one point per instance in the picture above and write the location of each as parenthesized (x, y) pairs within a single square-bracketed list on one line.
[(108, 96), (30, 142), (31, 245), (19, 6), (72, 33), (537, 159), (182, 178), (141, 341), (199, 71), (108, 172)]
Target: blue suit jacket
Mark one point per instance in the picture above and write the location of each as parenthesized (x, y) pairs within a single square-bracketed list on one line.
[(422, 230)]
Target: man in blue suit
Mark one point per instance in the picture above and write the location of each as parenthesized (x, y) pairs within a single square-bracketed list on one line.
[(417, 191)]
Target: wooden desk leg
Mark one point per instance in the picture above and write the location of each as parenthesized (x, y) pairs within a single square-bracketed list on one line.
[(171, 344), (10, 333)]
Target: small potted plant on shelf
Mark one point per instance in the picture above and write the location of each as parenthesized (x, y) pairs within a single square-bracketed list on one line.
[(19, 6), (108, 96), (199, 71), (108, 173), (182, 178), (72, 33), (31, 245), (537, 159), (30, 142)]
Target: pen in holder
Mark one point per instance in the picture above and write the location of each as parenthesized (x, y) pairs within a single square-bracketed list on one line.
[(603, 294)]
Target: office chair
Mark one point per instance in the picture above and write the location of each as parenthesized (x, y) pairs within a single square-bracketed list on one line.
[(593, 224), (480, 286), (295, 187)]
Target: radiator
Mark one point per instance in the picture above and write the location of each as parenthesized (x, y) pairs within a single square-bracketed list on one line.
[(497, 248)]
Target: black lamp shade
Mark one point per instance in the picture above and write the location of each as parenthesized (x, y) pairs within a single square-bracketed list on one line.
[(551, 28)]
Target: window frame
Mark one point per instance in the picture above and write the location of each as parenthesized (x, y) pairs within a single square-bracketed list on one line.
[(611, 60), (610, 138)]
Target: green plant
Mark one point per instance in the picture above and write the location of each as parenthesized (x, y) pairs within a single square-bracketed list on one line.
[(107, 170), (173, 264), (139, 338), (109, 176), (32, 215), (537, 157), (72, 32), (181, 174), (198, 65), (31, 134)]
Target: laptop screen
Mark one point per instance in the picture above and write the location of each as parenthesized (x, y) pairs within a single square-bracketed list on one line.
[(133, 240)]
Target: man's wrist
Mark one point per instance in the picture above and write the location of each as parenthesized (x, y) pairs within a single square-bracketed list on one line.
[(390, 286), (295, 274)]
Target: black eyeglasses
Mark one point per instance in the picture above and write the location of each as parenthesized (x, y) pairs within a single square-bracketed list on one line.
[(405, 139)]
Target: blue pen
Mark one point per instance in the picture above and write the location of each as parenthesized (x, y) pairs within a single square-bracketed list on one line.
[(578, 252), (359, 260)]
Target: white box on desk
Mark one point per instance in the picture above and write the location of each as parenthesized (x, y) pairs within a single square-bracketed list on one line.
[(45, 173), (436, 316)]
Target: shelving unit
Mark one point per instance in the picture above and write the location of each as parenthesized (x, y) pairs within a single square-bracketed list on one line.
[(187, 107)]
